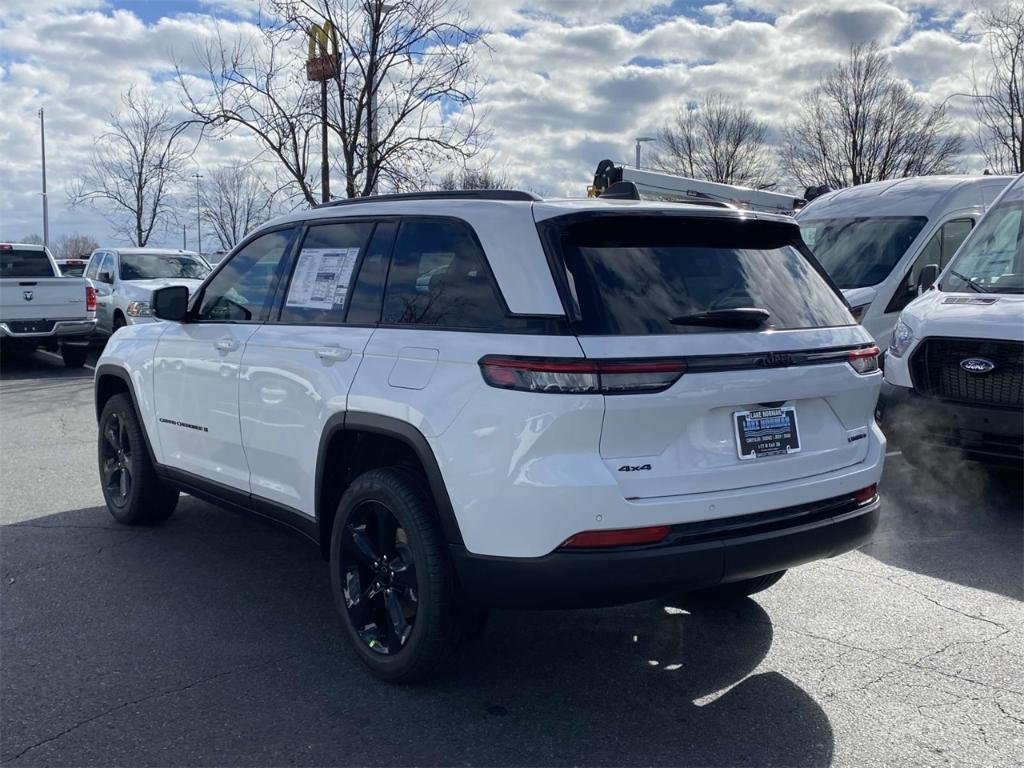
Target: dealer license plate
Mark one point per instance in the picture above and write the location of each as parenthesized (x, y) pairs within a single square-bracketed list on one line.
[(766, 432)]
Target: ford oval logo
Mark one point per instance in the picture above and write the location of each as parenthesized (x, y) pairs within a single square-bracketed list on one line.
[(977, 365)]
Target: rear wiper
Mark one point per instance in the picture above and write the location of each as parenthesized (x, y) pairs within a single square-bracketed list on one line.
[(973, 285), (741, 317)]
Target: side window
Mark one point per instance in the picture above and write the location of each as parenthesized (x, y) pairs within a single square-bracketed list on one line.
[(953, 234), (318, 290), (94, 265), (939, 250), (242, 290), (105, 266), (439, 278), (368, 291)]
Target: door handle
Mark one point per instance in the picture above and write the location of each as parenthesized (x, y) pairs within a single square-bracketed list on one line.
[(226, 345), (333, 354)]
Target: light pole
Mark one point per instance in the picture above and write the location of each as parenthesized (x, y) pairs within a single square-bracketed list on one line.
[(640, 140), (199, 216), (46, 212)]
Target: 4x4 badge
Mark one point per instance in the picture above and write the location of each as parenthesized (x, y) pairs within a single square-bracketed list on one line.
[(977, 365), (635, 468)]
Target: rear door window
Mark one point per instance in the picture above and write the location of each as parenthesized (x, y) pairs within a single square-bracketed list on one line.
[(634, 275), (439, 278), (16, 262)]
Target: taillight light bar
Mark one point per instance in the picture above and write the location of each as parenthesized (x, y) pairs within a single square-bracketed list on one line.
[(580, 376), (90, 299), (865, 360)]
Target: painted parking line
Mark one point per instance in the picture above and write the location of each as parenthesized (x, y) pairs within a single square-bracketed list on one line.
[(894, 453), (61, 359)]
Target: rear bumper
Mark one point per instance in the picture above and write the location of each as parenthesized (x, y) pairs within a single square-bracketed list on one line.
[(694, 556), (984, 433), (61, 329)]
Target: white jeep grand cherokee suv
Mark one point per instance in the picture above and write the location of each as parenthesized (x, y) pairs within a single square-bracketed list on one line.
[(487, 399)]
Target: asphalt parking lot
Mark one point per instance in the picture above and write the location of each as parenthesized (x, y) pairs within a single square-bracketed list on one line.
[(211, 640)]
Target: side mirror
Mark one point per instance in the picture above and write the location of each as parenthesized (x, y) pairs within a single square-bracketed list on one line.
[(105, 277), (926, 277), (171, 303)]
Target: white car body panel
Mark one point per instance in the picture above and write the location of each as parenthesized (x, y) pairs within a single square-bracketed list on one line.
[(940, 199)]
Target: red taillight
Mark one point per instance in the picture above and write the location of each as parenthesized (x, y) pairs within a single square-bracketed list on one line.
[(864, 495), (864, 360), (575, 376), (618, 538), (90, 299)]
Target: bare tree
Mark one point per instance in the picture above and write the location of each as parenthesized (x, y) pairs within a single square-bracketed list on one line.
[(999, 93), (234, 201), (32, 239), (469, 178), (258, 85), (861, 124), (74, 245), (133, 167), (717, 140)]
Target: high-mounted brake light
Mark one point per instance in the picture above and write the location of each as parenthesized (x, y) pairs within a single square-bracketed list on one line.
[(90, 299), (865, 360), (577, 376), (621, 537)]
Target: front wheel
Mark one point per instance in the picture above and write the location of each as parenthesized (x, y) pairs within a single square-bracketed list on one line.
[(736, 590), (393, 583), (133, 492)]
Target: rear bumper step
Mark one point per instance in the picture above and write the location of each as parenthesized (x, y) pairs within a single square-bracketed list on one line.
[(693, 556)]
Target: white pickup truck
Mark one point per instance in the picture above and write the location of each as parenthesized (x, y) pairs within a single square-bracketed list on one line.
[(39, 308)]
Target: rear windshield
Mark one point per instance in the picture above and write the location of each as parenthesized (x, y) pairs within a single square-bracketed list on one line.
[(635, 275), (861, 252), (24, 263)]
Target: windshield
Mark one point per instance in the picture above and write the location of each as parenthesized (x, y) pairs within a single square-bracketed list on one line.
[(24, 263), (146, 266), (992, 259), (72, 270), (635, 275), (863, 251)]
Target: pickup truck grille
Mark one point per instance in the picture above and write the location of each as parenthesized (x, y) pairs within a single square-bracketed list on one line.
[(936, 371), (30, 326)]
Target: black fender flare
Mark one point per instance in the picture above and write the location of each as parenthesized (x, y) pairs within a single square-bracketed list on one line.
[(107, 370), (358, 421)]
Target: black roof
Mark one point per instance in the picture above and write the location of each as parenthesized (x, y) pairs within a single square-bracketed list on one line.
[(458, 194)]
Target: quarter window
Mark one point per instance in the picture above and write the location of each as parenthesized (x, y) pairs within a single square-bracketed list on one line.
[(320, 281), (242, 291), (439, 278)]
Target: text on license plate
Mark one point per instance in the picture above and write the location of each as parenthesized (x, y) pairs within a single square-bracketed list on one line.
[(766, 432)]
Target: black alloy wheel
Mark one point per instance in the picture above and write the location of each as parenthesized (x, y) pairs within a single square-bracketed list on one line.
[(380, 589), (116, 461)]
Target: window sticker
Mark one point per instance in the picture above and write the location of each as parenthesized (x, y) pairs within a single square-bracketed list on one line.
[(322, 277)]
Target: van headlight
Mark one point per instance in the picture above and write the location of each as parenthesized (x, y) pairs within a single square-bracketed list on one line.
[(139, 309), (902, 338)]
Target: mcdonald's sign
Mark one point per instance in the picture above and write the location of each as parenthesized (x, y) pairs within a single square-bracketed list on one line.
[(322, 60)]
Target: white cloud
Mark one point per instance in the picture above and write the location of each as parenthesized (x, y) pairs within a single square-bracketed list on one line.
[(567, 84)]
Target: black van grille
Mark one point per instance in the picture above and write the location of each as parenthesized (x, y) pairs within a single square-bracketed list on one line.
[(936, 371)]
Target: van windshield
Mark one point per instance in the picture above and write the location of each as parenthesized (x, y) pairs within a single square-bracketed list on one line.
[(992, 259), (862, 251), (630, 274)]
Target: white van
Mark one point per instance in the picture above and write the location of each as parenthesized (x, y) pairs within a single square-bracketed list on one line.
[(874, 239), (955, 373)]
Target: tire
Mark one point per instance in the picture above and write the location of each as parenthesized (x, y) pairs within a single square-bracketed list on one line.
[(74, 357), (393, 583), (133, 492), (736, 590)]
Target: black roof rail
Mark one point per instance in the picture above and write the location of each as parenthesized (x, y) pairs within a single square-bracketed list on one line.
[(456, 194)]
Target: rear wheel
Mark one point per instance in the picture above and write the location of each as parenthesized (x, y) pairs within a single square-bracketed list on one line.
[(393, 583), (736, 590), (74, 357), (133, 492)]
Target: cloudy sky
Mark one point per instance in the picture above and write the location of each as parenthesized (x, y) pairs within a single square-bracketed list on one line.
[(568, 82)]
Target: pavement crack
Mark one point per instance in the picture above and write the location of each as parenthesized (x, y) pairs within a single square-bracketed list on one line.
[(148, 697)]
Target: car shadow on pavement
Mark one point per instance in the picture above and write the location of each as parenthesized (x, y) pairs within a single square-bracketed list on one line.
[(212, 639), (957, 521), (19, 364)]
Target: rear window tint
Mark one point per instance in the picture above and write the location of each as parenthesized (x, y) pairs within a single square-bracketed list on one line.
[(24, 263), (634, 274)]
